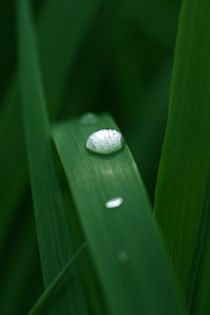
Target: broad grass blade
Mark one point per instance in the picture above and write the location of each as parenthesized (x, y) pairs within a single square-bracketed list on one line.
[(124, 242)]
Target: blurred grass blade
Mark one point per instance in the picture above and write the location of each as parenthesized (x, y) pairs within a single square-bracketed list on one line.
[(149, 121), (52, 229), (72, 21), (51, 288), (181, 194), (158, 19), (124, 242), (64, 21)]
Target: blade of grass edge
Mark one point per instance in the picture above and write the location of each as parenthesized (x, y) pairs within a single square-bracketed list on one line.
[(53, 234), (93, 294)]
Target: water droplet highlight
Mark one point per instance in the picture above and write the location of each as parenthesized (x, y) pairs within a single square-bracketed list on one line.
[(105, 141), (89, 119), (123, 256), (114, 203)]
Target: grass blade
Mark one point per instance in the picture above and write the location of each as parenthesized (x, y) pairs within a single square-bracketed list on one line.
[(54, 239), (51, 288), (181, 194), (124, 242)]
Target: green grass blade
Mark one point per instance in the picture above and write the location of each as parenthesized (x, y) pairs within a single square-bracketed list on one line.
[(181, 194), (52, 229), (62, 19), (51, 288), (124, 242)]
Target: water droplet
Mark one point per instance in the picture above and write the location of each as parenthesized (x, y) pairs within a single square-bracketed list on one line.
[(105, 141), (114, 203), (89, 119), (123, 256)]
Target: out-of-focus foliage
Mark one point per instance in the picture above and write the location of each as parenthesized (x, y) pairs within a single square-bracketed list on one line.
[(96, 55), (120, 58)]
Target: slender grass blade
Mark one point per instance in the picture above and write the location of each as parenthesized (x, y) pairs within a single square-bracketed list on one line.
[(52, 229)]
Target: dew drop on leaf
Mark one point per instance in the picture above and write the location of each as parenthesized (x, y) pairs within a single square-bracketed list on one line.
[(89, 119), (105, 141), (123, 256), (114, 202)]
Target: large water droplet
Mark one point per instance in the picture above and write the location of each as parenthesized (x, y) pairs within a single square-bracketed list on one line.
[(89, 119), (114, 203), (123, 256), (105, 141)]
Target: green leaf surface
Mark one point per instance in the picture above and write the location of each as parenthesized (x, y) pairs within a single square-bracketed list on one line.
[(124, 242), (53, 234), (181, 194)]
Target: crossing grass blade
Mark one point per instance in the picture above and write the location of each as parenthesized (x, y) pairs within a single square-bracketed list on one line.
[(36, 309), (124, 242), (181, 194), (63, 19), (53, 234)]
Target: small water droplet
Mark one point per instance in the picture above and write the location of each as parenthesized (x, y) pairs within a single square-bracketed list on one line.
[(105, 141), (89, 119), (123, 256), (114, 202)]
